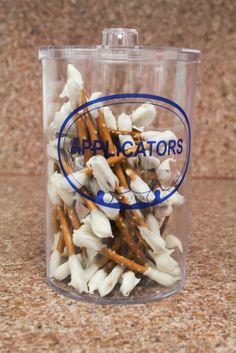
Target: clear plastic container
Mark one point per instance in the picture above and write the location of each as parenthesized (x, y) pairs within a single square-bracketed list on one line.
[(117, 130)]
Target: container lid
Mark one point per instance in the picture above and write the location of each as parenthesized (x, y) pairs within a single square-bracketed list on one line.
[(119, 44)]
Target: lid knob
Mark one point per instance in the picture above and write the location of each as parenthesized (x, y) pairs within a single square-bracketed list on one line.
[(114, 37)]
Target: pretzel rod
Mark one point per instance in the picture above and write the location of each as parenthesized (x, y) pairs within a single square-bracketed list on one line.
[(65, 231), (134, 134), (122, 227), (135, 215), (117, 159), (128, 239), (89, 122), (106, 137), (115, 246), (61, 243), (121, 260), (112, 161), (82, 133), (75, 222), (164, 224), (111, 254), (138, 235), (73, 216)]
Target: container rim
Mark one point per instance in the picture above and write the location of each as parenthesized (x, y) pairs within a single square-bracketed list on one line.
[(156, 53)]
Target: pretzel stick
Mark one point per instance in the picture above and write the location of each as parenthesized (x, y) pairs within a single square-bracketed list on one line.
[(106, 137), (61, 244), (117, 159), (111, 254), (134, 134), (82, 133), (121, 260), (89, 122), (73, 216), (164, 224), (115, 246), (112, 161), (65, 231), (122, 227)]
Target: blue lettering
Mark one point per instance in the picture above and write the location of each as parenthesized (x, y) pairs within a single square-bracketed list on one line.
[(159, 148), (180, 146), (171, 146)]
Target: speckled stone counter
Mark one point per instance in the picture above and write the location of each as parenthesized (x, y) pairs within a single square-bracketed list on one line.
[(200, 318)]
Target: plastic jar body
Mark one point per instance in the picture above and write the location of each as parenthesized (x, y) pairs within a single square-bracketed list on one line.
[(117, 128)]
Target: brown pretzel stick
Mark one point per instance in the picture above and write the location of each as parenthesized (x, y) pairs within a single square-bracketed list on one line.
[(121, 157), (121, 260), (105, 135), (83, 136), (115, 246), (106, 138), (122, 227), (164, 224), (112, 161), (75, 222), (89, 122), (134, 134), (65, 231), (73, 216), (61, 244), (129, 240)]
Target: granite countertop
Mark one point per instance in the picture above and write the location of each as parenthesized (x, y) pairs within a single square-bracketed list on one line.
[(200, 318)]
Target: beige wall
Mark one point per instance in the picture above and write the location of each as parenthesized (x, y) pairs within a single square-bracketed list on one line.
[(207, 25)]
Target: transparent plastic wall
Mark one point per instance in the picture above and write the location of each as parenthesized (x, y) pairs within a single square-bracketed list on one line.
[(117, 132)]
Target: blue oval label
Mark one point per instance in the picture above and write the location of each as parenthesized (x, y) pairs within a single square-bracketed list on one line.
[(154, 159)]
